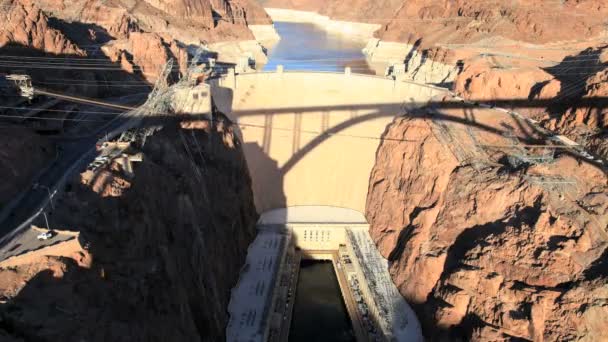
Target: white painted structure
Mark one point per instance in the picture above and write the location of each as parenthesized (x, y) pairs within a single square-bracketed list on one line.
[(310, 138), (315, 229), (251, 299)]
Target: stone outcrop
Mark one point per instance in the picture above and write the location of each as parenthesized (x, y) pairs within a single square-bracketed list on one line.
[(26, 25), (136, 36), (486, 253), (166, 247), (465, 21), (429, 66), (145, 54), (200, 10), (571, 94), (479, 81), (249, 12)]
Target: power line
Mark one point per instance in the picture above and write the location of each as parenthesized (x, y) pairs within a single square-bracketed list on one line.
[(571, 59), (101, 84), (48, 119), (63, 110)]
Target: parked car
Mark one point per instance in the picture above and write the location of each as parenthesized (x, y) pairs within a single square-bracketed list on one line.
[(45, 235)]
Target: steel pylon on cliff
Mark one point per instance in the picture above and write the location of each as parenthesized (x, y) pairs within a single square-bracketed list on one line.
[(158, 102), (23, 83), (162, 82)]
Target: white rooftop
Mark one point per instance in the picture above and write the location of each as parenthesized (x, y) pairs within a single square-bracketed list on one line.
[(312, 214), (251, 297), (400, 319)]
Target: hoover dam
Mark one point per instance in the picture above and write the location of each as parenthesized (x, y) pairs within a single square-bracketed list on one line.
[(287, 170), (310, 132), (310, 137)]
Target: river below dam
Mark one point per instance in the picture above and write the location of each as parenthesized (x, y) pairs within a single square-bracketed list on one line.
[(307, 47), (319, 312)]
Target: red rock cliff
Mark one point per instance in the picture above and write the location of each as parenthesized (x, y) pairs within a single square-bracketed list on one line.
[(572, 94), (25, 24), (487, 252)]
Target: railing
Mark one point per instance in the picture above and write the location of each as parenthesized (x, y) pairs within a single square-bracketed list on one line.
[(341, 73)]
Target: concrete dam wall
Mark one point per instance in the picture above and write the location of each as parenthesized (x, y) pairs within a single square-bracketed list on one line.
[(311, 138)]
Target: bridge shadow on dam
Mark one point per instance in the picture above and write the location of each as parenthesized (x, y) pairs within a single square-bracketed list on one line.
[(441, 111), (431, 110)]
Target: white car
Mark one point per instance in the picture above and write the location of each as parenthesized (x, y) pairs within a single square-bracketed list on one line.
[(45, 235)]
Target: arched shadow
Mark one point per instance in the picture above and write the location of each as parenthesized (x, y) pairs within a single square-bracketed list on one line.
[(268, 185), (573, 73)]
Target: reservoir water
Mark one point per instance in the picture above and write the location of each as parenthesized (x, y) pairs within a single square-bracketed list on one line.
[(319, 311), (308, 47)]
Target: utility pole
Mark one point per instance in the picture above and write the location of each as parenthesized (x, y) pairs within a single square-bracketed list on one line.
[(48, 227), (37, 185)]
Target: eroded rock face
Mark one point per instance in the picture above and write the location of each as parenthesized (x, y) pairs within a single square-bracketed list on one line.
[(198, 9), (167, 246), (25, 24), (479, 81), (138, 37), (464, 20), (486, 253), (467, 21), (146, 54), (571, 95)]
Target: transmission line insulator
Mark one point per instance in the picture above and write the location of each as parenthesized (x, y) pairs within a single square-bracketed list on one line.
[(23, 83)]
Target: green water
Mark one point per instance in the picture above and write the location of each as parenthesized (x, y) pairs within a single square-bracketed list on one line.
[(319, 312)]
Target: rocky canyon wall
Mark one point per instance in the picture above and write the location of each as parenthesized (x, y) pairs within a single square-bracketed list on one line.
[(365, 11), (463, 21), (111, 41), (571, 94), (486, 252), (163, 248)]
